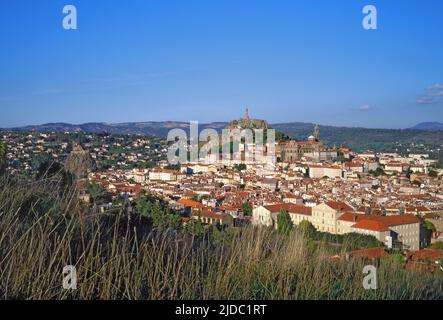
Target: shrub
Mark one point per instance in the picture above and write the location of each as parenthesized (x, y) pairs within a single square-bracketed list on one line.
[(307, 229), (437, 245), (284, 222)]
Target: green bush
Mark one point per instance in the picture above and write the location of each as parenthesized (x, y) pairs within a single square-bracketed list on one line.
[(284, 222), (437, 245)]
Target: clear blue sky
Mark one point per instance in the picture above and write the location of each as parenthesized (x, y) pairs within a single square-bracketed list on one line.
[(206, 60)]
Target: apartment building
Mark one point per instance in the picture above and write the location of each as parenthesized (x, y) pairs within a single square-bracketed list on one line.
[(403, 228), (320, 171), (325, 215), (337, 218), (164, 175), (267, 215)]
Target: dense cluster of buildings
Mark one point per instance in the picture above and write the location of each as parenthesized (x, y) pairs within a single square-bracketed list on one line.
[(292, 151), (340, 218), (27, 150), (387, 196)]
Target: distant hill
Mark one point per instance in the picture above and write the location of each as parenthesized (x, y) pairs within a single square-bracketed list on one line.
[(429, 126), (159, 129), (358, 139), (361, 139)]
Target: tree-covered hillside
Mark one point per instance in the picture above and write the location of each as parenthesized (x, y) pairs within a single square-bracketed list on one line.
[(361, 139)]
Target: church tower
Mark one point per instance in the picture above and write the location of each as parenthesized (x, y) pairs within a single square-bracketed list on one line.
[(247, 114)]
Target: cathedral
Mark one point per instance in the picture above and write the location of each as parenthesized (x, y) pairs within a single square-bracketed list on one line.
[(291, 151)]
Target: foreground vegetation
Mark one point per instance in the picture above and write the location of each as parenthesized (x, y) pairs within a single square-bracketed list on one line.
[(43, 227)]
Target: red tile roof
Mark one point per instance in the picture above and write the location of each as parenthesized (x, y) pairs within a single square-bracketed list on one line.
[(353, 164), (228, 208), (352, 217), (378, 223), (372, 253), (324, 166), (190, 203), (425, 254), (399, 220), (371, 225), (212, 215), (339, 206), (290, 208)]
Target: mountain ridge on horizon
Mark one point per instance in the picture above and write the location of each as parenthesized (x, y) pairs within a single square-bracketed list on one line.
[(55, 126), (434, 125), (356, 138)]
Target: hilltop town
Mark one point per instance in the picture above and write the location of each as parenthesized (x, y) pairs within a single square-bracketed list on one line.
[(394, 198)]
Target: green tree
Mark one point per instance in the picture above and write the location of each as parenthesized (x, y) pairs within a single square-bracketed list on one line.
[(55, 171), (307, 229), (143, 207), (97, 193), (377, 172), (157, 217), (173, 221), (353, 241), (175, 167), (38, 160), (119, 200), (429, 225), (161, 219), (416, 182), (240, 167), (284, 222), (433, 174), (145, 164), (216, 235), (195, 227), (246, 208), (48, 169)]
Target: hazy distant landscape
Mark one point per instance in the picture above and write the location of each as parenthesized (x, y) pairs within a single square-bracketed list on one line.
[(358, 139)]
